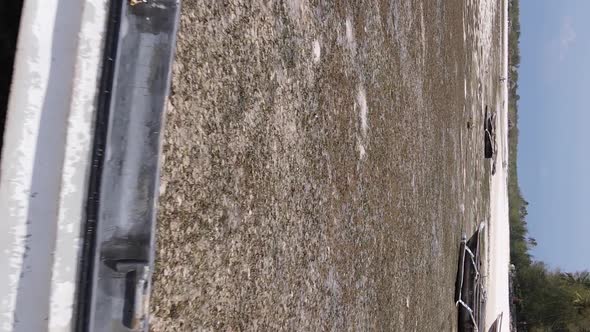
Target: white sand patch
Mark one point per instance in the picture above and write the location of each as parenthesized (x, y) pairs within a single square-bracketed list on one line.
[(362, 150), (350, 41), (349, 35), (464, 34), (317, 51), (361, 99)]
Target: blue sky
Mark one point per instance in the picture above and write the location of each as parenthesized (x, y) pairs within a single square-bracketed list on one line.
[(554, 141)]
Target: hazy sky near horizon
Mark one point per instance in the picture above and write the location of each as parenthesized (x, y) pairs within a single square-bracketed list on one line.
[(554, 109)]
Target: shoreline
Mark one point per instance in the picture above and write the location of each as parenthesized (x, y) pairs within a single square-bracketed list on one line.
[(497, 276)]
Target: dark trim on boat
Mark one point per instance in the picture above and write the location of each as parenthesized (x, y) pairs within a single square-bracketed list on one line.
[(82, 309), (119, 242)]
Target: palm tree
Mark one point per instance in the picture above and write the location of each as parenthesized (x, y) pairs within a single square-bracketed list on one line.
[(581, 302), (580, 278)]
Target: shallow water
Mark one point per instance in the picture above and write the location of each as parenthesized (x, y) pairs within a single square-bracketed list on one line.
[(321, 162)]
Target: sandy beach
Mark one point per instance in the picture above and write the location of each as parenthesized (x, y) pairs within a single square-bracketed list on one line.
[(497, 274)]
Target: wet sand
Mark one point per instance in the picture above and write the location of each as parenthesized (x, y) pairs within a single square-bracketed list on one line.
[(321, 162)]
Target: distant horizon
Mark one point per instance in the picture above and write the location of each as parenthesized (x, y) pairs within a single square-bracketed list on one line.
[(554, 77)]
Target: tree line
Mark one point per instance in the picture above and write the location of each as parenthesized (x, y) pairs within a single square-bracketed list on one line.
[(543, 299)]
